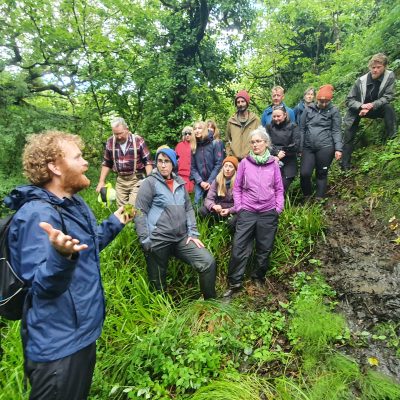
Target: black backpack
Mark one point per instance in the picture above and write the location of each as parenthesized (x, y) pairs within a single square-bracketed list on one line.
[(12, 289)]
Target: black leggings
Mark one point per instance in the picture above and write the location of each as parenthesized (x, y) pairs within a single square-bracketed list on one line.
[(320, 160)]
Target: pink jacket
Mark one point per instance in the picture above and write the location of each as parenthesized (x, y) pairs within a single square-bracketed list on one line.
[(258, 188)]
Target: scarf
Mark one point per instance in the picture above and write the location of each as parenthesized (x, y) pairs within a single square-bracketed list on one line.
[(260, 159)]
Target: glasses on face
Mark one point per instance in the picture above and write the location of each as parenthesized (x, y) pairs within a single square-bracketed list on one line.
[(163, 162), (257, 141), (187, 133)]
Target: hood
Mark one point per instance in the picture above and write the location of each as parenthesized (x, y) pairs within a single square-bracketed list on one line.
[(314, 107), (205, 141), (156, 174), (22, 194), (280, 126)]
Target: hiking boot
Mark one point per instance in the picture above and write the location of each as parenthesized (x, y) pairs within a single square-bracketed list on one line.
[(232, 291)]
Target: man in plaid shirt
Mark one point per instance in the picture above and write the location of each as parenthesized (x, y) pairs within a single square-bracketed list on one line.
[(127, 155)]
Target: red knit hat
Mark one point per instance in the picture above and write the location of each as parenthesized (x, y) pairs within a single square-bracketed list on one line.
[(244, 95), (232, 160), (325, 92)]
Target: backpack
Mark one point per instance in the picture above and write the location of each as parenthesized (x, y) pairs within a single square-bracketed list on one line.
[(12, 289)]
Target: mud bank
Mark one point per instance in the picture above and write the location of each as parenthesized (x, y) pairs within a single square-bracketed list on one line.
[(362, 263)]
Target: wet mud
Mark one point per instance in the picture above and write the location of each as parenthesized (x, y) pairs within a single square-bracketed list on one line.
[(362, 263)]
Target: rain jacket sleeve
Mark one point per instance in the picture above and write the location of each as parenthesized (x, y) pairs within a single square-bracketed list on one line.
[(336, 131), (209, 201), (194, 172), (190, 218), (218, 152), (238, 188), (144, 201)]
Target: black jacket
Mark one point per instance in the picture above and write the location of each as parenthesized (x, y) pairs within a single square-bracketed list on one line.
[(320, 128), (286, 137)]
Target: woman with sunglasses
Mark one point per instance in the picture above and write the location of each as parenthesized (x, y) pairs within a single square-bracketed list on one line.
[(285, 143), (258, 200), (184, 154)]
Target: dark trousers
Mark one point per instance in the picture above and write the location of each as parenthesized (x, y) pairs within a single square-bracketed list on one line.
[(68, 378), (250, 225), (389, 116), (199, 258), (320, 160), (286, 182)]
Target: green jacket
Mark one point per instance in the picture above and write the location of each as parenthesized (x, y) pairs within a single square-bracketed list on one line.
[(237, 136)]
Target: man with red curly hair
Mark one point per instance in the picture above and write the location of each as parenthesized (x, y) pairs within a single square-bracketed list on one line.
[(54, 244)]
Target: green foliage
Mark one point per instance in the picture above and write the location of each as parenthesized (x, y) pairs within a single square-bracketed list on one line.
[(313, 326), (299, 229), (379, 387)]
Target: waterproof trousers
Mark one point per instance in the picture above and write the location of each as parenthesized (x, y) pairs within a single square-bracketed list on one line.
[(320, 160), (252, 225), (199, 258), (127, 187), (68, 378), (389, 116)]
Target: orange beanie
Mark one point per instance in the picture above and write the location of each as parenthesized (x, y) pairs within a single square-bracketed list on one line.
[(232, 160), (325, 92)]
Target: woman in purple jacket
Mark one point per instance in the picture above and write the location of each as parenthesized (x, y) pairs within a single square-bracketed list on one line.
[(259, 198)]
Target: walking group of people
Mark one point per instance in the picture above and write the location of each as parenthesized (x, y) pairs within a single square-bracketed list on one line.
[(54, 239)]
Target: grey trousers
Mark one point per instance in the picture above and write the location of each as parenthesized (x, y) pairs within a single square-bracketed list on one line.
[(199, 258)]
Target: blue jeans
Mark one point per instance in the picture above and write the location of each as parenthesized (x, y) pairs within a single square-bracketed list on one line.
[(199, 194)]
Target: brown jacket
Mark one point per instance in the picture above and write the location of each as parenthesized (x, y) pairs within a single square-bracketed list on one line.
[(237, 136)]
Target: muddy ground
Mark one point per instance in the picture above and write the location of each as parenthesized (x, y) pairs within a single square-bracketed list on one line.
[(362, 263)]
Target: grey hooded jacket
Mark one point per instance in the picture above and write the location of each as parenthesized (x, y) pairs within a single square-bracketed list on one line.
[(163, 215), (356, 97)]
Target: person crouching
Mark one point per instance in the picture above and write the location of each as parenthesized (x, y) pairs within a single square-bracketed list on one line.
[(166, 226)]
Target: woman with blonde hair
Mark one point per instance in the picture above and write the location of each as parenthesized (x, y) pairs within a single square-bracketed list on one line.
[(207, 156), (219, 200), (183, 151)]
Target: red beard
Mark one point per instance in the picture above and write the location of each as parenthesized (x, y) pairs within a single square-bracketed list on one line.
[(74, 181)]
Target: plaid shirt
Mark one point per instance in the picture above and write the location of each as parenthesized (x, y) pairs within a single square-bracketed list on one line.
[(124, 162)]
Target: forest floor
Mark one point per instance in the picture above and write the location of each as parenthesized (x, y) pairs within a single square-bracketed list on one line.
[(361, 261)]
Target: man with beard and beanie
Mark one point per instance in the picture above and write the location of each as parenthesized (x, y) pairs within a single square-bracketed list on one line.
[(127, 155), (370, 97), (54, 243), (277, 95), (166, 226), (239, 126)]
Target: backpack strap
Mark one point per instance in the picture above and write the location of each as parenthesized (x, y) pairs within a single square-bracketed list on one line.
[(134, 153)]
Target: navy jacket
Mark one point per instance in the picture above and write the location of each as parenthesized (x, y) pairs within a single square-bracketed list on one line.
[(207, 160), (266, 116), (67, 310)]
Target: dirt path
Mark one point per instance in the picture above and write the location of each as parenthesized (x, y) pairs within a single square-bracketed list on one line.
[(362, 263)]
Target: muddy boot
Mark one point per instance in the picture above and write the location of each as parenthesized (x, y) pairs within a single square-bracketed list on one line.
[(232, 290)]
